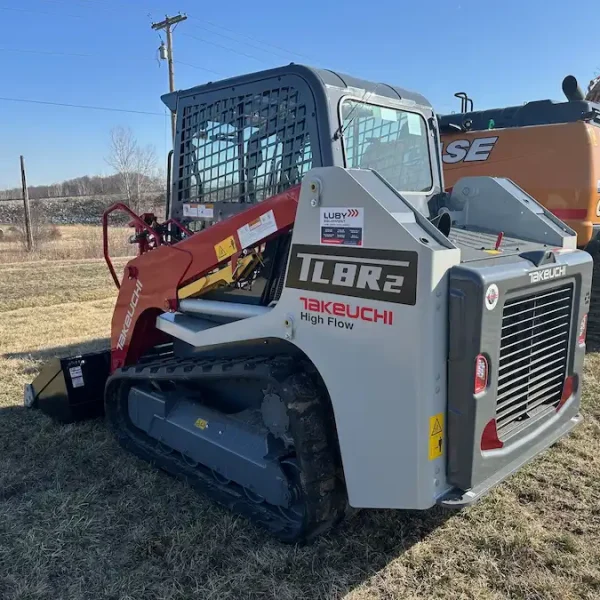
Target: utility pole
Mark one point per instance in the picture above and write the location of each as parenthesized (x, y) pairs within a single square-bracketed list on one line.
[(28, 230), (166, 25)]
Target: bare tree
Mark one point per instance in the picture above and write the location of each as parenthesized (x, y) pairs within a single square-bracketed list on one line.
[(134, 165), (145, 170)]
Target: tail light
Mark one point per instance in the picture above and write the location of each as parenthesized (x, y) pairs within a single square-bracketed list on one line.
[(582, 330), (569, 388), (489, 437), (481, 373)]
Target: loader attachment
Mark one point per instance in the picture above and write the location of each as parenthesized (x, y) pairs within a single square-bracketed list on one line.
[(71, 389)]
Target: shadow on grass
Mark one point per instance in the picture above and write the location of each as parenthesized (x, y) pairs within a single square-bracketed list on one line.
[(592, 346), (96, 345), (50, 463), (142, 516)]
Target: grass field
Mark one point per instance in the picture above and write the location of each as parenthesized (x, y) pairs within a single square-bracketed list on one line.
[(81, 519), (63, 242)]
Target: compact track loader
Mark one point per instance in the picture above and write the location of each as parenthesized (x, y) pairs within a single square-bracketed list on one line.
[(318, 324), (550, 149)]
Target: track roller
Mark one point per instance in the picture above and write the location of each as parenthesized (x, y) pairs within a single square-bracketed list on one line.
[(316, 497)]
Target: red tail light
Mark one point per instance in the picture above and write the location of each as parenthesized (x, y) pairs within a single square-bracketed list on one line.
[(569, 388), (481, 373), (582, 330), (489, 437)]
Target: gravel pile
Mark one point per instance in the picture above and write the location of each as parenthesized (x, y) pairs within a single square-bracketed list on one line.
[(61, 211)]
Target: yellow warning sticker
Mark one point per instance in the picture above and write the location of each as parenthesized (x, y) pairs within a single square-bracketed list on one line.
[(436, 436), (226, 248), (201, 423)]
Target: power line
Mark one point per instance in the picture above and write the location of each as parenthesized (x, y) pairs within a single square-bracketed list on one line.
[(102, 56), (83, 106), (110, 7), (228, 37), (249, 37), (80, 3), (226, 48), (40, 12), (48, 52), (101, 5), (180, 62)]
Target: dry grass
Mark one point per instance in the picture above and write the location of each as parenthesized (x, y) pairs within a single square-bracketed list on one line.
[(81, 519), (64, 242)]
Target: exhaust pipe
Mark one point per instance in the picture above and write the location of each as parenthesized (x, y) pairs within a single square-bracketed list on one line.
[(571, 89)]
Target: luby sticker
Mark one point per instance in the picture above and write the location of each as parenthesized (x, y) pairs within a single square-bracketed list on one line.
[(491, 296), (342, 226)]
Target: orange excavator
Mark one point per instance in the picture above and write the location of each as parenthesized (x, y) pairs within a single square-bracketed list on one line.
[(550, 149)]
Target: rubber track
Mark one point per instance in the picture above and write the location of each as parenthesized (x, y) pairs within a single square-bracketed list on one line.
[(320, 489), (593, 328)]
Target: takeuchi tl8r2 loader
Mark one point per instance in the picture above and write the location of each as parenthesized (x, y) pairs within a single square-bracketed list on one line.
[(319, 325), (550, 149)]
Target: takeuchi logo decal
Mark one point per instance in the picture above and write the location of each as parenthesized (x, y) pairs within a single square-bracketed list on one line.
[(549, 273), (135, 298)]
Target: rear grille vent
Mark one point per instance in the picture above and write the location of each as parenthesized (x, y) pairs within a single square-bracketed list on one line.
[(533, 356)]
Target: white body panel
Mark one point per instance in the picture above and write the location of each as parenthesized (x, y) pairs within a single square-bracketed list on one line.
[(385, 380)]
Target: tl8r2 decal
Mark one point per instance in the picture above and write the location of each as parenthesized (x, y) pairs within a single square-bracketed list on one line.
[(386, 275), (477, 150)]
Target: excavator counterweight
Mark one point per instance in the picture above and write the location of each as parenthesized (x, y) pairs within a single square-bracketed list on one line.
[(550, 149)]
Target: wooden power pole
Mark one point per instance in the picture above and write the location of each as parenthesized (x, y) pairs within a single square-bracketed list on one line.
[(167, 24), (28, 230)]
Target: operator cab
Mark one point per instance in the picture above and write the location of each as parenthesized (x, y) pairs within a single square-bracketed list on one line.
[(245, 139)]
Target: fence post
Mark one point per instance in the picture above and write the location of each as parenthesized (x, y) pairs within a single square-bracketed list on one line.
[(28, 230)]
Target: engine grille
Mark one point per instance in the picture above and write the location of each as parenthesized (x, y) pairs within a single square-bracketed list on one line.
[(533, 356)]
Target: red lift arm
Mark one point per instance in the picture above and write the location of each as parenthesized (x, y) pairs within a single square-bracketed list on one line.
[(151, 280)]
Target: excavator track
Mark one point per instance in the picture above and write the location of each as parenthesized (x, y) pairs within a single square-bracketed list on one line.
[(593, 327), (312, 466)]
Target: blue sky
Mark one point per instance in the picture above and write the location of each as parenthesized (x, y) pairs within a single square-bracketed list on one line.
[(501, 52)]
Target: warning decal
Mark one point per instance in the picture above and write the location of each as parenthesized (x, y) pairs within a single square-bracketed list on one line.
[(342, 226), (76, 376), (204, 211), (257, 230), (226, 248), (436, 436)]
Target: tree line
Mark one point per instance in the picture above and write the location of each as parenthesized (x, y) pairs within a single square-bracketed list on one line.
[(136, 175), (94, 185)]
